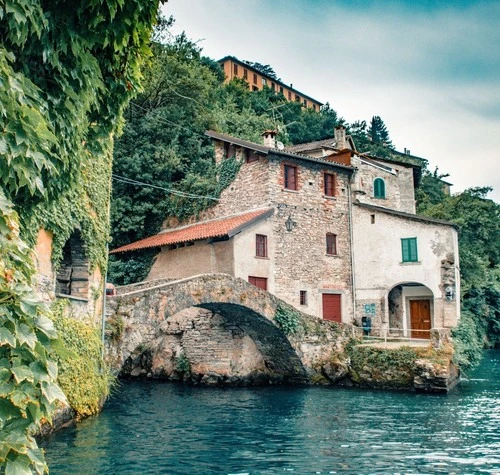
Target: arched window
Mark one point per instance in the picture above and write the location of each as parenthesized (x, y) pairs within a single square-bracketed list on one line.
[(378, 188)]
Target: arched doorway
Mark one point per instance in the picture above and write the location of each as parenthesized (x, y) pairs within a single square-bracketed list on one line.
[(411, 310)]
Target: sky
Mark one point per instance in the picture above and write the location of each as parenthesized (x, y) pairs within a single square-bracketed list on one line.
[(430, 69)]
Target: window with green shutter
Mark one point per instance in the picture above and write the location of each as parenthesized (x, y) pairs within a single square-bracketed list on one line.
[(409, 249), (378, 188)]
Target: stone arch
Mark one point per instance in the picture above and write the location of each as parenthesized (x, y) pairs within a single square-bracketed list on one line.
[(147, 313), (280, 357), (72, 277), (408, 304)]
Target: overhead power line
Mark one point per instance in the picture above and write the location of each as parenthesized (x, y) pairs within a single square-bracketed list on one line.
[(129, 181)]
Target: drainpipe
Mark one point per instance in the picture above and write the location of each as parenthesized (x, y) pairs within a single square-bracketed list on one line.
[(103, 310), (351, 237)]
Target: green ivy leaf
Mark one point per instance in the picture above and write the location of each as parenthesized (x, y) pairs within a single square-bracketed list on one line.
[(7, 338), (22, 373), (20, 466), (52, 392)]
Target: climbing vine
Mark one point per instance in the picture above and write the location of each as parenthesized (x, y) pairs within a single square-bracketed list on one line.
[(83, 376), (67, 70), (288, 319)]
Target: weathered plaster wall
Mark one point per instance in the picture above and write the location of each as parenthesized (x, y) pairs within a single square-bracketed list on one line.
[(87, 299), (200, 258), (399, 187), (379, 267)]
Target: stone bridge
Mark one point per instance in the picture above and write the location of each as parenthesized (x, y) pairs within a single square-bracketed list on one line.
[(229, 335)]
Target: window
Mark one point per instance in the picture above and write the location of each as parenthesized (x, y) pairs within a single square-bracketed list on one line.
[(379, 188), (264, 81), (329, 184), (251, 156), (255, 78), (273, 86), (281, 89), (409, 249), (290, 177), (235, 69), (305, 102), (245, 74), (314, 106), (255, 88), (372, 218), (260, 282), (331, 244), (229, 149), (303, 297), (289, 96), (261, 245), (297, 98)]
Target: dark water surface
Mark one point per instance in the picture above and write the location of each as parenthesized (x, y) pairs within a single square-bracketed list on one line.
[(155, 428)]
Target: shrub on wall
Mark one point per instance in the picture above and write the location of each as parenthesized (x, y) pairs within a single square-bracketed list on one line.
[(288, 319), (82, 375)]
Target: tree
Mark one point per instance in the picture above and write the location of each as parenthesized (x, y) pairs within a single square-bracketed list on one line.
[(377, 132), (265, 69), (66, 72), (478, 219)]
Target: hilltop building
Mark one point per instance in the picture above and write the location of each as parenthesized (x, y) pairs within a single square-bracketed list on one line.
[(327, 229), (234, 68)]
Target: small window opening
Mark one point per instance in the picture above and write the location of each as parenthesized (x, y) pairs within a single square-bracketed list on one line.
[(303, 297)]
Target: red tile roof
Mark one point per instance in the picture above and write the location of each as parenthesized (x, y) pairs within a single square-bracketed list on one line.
[(209, 229)]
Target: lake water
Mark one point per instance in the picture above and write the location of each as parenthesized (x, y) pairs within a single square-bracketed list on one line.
[(164, 428)]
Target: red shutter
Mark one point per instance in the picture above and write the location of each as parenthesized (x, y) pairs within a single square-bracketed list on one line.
[(260, 282), (332, 307)]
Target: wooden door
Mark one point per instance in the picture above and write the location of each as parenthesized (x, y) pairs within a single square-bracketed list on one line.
[(260, 282), (332, 307), (420, 318)]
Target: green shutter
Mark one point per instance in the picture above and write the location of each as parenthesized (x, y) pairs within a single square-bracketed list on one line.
[(379, 188), (409, 249)]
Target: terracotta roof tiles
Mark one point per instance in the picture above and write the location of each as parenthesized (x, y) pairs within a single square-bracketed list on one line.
[(228, 226)]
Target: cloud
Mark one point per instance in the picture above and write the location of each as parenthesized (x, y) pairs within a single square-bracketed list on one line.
[(430, 69)]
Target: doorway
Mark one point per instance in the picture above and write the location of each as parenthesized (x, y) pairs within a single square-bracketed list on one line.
[(420, 318)]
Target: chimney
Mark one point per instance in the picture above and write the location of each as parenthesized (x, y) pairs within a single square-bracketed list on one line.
[(270, 138), (339, 134)]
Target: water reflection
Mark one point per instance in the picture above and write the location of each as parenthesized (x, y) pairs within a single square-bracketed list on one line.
[(173, 429)]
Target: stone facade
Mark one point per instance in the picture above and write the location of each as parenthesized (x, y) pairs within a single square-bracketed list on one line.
[(364, 276), (398, 180)]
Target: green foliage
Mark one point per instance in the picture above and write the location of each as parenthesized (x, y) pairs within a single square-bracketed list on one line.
[(264, 69), (469, 341), (82, 375), (115, 327), (478, 220), (182, 364), (288, 319), (381, 360), (66, 72), (377, 132), (28, 392)]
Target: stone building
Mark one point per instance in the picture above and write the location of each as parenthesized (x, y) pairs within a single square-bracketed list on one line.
[(327, 229)]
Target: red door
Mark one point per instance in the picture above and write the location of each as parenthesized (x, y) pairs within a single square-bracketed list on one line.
[(260, 282), (332, 308), (420, 318)]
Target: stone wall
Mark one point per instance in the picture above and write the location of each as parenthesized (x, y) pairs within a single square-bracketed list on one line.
[(399, 186), (231, 337)]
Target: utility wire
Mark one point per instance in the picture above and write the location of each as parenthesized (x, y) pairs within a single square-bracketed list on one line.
[(129, 181)]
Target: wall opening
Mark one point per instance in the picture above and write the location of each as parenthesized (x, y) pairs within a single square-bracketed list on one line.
[(411, 307), (73, 274)]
